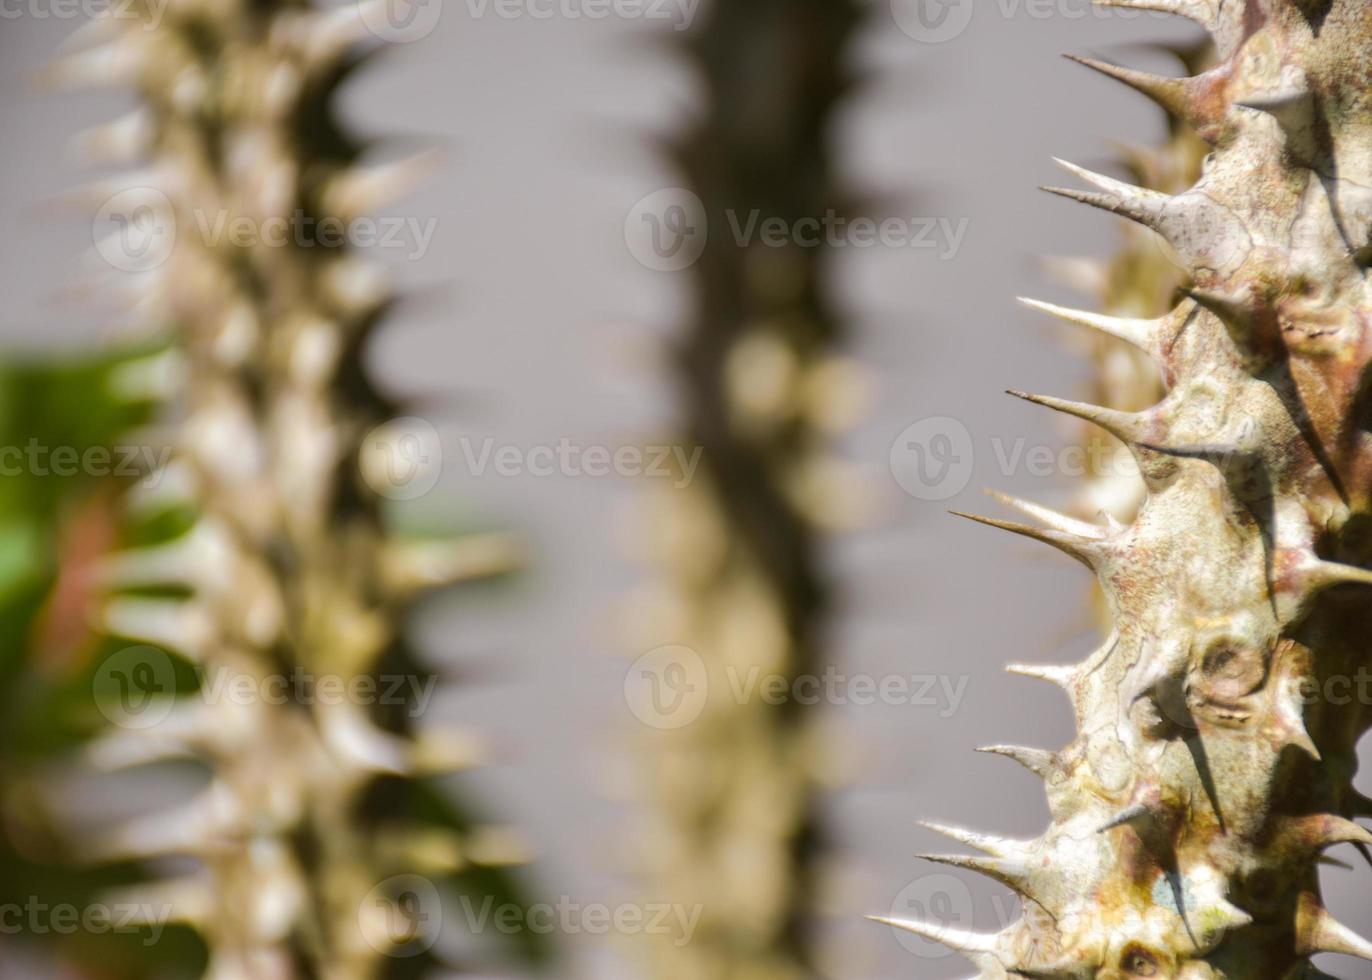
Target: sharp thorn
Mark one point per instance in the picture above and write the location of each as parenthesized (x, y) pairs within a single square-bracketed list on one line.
[(1040, 762), (1084, 550), (1110, 185), (1136, 208), (1126, 426), (1171, 93), (1046, 515), (1129, 815), (990, 844), (1319, 932), (1063, 677), (1141, 333), (1008, 873), (963, 941), (1328, 574), (1195, 10)]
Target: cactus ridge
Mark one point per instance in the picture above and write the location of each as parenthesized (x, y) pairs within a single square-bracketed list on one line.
[(1212, 765)]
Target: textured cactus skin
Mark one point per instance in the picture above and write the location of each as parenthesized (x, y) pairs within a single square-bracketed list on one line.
[(735, 816), (289, 564), (1212, 765)]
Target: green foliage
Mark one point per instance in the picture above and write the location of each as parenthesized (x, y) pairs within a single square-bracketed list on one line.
[(51, 519)]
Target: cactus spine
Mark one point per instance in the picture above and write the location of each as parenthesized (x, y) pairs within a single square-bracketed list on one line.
[(1142, 280), (288, 568), (1216, 750), (736, 829)]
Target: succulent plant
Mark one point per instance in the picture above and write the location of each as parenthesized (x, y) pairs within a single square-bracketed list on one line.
[(1217, 735), (322, 833), (735, 825)]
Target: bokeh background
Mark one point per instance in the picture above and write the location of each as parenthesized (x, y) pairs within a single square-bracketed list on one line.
[(533, 322)]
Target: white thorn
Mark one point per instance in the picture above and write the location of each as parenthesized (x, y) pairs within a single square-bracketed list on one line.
[(1141, 333), (1046, 515), (1064, 677), (973, 944)]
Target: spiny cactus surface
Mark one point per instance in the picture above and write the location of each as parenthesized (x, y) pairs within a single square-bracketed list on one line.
[(1218, 723), (316, 847), (1141, 280)]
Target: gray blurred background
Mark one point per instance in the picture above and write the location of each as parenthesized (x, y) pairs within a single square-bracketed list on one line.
[(534, 323)]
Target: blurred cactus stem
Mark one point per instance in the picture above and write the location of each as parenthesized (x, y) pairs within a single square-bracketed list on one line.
[(320, 841), (735, 830)]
